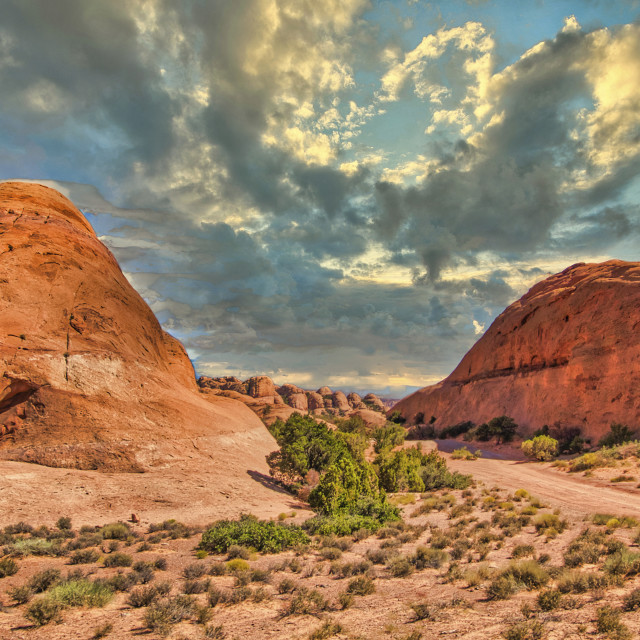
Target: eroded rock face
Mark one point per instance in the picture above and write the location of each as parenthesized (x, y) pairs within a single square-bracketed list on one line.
[(315, 401), (567, 354), (88, 378), (340, 401), (261, 387), (373, 400)]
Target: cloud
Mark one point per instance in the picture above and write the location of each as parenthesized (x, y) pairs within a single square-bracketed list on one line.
[(297, 189)]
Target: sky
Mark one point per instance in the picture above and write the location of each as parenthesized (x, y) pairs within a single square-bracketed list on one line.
[(332, 192)]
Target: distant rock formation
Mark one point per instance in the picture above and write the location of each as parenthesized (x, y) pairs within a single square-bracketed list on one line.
[(290, 398), (566, 354), (88, 378)]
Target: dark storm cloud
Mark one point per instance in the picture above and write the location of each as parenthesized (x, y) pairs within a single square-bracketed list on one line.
[(78, 66)]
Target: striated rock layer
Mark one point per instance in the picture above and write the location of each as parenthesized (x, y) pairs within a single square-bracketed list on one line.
[(566, 354), (88, 378)]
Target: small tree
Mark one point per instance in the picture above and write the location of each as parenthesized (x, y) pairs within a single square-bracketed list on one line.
[(541, 448), (618, 434)]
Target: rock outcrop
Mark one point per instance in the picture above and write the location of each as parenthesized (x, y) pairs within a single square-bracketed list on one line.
[(88, 378), (566, 354), (258, 394)]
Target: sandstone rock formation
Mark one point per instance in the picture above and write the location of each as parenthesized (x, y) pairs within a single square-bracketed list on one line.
[(88, 378), (256, 393), (374, 402), (356, 401), (566, 354)]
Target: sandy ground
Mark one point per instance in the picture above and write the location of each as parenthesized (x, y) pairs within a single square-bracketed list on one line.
[(575, 494), (41, 495)]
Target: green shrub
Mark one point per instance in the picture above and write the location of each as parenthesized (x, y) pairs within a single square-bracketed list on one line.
[(436, 475), (388, 436), (43, 611), (618, 434), (118, 560), (340, 525), (456, 430), (361, 586), (81, 593), (546, 522), (503, 428), (36, 547), (237, 565), (399, 471), (8, 567), (549, 600), (623, 563), (248, 531), (343, 486), (64, 523), (305, 444), (523, 550), (464, 454), (540, 448), (115, 531)]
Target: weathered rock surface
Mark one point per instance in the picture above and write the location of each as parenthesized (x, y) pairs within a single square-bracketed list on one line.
[(355, 401), (340, 401), (566, 354), (88, 378), (373, 401), (314, 400)]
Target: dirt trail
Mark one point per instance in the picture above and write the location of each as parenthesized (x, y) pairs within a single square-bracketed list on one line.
[(574, 494)]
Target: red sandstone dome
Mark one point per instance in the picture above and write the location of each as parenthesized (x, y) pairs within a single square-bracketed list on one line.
[(88, 378), (566, 354)]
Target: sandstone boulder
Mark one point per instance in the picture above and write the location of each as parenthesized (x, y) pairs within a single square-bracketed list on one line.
[(340, 401), (314, 401), (372, 400), (355, 401)]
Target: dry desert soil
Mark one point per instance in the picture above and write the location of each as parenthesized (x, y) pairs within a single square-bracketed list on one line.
[(565, 589)]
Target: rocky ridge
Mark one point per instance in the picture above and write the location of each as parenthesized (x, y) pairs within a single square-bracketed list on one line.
[(566, 354), (270, 402)]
